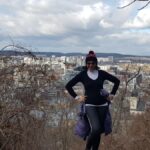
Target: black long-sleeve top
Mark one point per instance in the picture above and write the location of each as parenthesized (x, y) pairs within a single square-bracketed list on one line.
[(93, 87)]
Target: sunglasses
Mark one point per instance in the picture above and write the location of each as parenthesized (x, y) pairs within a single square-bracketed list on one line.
[(90, 63)]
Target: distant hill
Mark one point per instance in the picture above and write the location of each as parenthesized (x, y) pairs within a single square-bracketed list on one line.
[(15, 53), (58, 54)]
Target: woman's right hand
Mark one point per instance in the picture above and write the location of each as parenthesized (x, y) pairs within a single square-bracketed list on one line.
[(81, 98), (110, 97)]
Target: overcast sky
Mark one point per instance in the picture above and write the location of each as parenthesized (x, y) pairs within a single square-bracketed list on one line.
[(76, 25)]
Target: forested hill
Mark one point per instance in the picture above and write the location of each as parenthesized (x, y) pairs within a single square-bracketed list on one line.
[(17, 53)]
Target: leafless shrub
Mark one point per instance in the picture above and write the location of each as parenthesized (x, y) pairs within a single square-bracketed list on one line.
[(35, 113), (23, 108), (129, 132)]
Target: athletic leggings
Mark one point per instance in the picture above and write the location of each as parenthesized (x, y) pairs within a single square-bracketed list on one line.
[(96, 117)]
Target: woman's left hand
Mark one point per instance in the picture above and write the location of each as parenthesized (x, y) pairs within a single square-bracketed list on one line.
[(110, 97)]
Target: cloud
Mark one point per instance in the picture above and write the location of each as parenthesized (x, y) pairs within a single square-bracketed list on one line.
[(141, 20), (105, 24), (75, 25), (50, 17), (137, 37)]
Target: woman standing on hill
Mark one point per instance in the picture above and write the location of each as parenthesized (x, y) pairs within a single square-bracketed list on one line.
[(96, 105)]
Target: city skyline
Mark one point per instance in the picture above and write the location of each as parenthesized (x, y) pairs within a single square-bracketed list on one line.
[(76, 26)]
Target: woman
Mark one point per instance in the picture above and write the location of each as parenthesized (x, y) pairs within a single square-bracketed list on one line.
[(96, 105)]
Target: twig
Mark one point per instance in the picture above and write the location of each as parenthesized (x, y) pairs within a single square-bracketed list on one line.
[(134, 2), (127, 4), (134, 75), (27, 51), (144, 6)]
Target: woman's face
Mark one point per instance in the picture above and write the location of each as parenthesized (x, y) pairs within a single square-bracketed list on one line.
[(91, 65)]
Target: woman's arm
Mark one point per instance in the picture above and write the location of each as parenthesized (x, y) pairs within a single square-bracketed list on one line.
[(71, 83), (112, 79)]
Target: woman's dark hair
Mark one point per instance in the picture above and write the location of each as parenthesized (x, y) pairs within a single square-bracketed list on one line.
[(85, 68), (91, 56)]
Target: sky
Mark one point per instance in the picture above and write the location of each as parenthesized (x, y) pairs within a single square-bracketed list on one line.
[(76, 26)]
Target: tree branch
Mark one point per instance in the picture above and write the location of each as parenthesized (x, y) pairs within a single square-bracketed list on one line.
[(144, 6), (127, 4), (134, 75), (134, 2)]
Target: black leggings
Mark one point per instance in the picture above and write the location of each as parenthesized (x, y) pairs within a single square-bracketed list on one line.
[(96, 117)]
